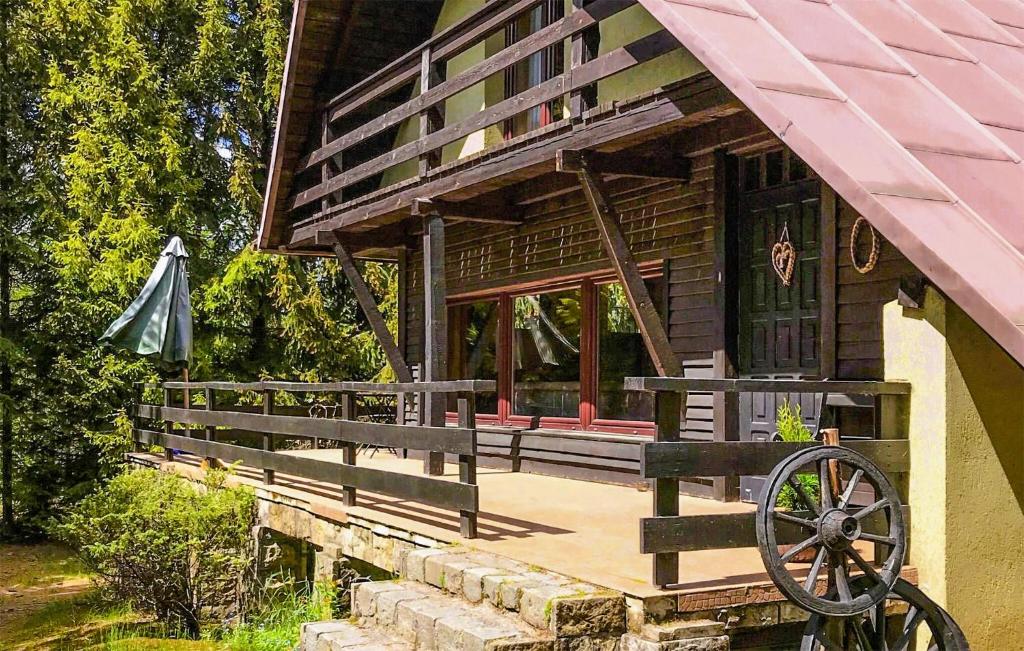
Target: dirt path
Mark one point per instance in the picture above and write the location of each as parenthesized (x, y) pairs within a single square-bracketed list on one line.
[(32, 577)]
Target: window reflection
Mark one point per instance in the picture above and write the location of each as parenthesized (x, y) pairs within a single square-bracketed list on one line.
[(475, 348), (622, 354), (546, 354)]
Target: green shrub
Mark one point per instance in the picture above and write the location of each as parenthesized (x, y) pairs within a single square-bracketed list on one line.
[(790, 426), (165, 545)]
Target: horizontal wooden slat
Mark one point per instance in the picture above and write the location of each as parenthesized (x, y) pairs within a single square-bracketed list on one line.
[(717, 459), (687, 533), (450, 42), (766, 386), (435, 492), (448, 386), (438, 439)]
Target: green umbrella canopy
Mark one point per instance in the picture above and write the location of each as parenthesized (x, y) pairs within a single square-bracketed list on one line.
[(159, 322)]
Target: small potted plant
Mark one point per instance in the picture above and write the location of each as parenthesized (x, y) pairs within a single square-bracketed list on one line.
[(790, 427)]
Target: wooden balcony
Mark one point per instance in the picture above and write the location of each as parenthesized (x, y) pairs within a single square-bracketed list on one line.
[(351, 179)]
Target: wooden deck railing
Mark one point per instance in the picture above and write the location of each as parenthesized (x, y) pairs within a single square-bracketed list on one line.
[(667, 460), (327, 171), (156, 425)]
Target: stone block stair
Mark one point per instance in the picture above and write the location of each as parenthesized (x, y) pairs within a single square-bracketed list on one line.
[(697, 635), (453, 599)]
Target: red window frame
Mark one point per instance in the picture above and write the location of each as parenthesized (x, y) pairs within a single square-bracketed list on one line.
[(586, 419)]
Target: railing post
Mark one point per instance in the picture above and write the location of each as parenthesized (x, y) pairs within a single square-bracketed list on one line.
[(667, 407), (138, 389), (584, 46), (268, 438), (467, 462), (211, 431), (349, 412), (168, 425), (427, 77), (890, 423)]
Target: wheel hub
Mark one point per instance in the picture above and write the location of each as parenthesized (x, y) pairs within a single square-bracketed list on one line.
[(838, 529)]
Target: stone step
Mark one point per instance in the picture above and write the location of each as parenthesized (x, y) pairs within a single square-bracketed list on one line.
[(545, 600), (347, 636), (696, 635), (428, 619)]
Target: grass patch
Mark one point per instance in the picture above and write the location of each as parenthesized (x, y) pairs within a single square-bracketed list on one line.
[(275, 627), (59, 619)]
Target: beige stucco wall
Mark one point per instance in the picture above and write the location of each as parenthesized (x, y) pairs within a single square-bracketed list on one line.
[(966, 488), (621, 29)]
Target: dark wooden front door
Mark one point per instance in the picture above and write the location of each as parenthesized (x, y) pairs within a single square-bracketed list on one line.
[(779, 325)]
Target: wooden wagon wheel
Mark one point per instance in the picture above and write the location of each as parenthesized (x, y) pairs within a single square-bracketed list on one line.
[(873, 631), (831, 529)]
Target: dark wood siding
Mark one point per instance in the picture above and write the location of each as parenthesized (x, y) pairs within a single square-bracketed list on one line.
[(662, 220), (860, 298)]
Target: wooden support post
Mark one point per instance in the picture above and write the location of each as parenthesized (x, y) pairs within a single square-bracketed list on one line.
[(372, 312), (667, 407), (726, 405), (617, 249), (467, 462), (891, 423), (168, 425), (268, 439), (402, 336), (349, 411), (211, 431), (435, 327), (138, 388)]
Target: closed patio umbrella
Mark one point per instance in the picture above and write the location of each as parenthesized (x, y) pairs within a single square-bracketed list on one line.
[(159, 322)]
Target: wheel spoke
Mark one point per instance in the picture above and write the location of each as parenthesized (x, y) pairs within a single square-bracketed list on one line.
[(812, 578), (878, 615), (874, 537), (844, 499), (868, 510), (858, 631), (864, 566), (828, 644), (825, 486), (798, 487), (788, 517), (910, 624), (796, 549), (842, 579)]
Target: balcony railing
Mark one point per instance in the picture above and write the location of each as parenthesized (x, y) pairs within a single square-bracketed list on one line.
[(170, 425), (358, 155), (666, 460)]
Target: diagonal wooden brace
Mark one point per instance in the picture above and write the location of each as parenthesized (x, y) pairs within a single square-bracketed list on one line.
[(372, 312), (617, 249)]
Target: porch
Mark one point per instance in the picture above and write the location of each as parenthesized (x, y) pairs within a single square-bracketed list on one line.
[(337, 463), (589, 533)]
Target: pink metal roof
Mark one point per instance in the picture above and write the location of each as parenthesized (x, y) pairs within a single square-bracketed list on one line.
[(912, 110)]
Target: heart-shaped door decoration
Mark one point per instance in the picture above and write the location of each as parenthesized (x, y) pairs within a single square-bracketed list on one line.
[(784, 257)]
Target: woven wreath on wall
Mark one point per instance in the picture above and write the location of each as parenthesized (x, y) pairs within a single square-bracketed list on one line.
[(860, 227), (784, 257)]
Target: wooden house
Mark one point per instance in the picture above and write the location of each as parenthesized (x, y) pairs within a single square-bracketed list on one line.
[(577, 192)]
